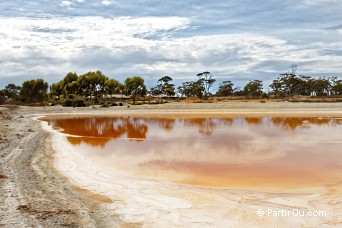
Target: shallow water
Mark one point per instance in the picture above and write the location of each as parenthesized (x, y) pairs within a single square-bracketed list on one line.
[(258, 153)]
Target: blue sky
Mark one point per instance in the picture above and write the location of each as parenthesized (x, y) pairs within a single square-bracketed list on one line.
[(238, 40)]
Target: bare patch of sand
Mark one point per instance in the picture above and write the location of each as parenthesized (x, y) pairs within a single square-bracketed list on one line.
[(92, 195)]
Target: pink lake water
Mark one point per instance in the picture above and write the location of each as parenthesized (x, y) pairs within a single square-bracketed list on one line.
[(247, 153)]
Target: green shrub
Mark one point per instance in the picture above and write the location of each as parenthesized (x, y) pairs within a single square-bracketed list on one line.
[(68, 103), (79, 103), (2, 100), (74, 103), (71, 96), (2, 97), (264, 95)]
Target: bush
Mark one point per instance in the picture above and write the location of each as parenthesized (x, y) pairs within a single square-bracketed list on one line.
[(120, 104), (79, 103), (68, 103), (114, 104), (74, 103), (264, 95), (105, 105), (71, 96), (2, 100)]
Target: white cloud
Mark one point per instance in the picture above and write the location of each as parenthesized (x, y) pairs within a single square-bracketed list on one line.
[(66, 3), (146, 46), (321, 2), (60, 38), (106, 3)]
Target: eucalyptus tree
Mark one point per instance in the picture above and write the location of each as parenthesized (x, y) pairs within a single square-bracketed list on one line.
[(277, 88), (112, 86), (336, 88), (321, 86), (291, 84), (225, 89), (92, 85), (3, 97), (253, 88), (192, 89), (34, 90), (135, 87), (164, 87), (208, 81), (307, 83), (68, 85), (12, 91), (56, 90)]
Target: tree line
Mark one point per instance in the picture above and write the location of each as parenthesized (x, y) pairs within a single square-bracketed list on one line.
[(73, 89)]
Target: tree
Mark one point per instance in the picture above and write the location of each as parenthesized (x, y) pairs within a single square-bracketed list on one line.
[(56, 89), (253, 88), (238, 91), (164, 87), (291, 84), (276, 88), (336, 88), (3, 98), (306, 87), (69, 78), (71, 88), (34, 90), (208, 81), (135, 87), (68, 85), (92, 85), (112, 86), (225, 89), (156, 90), (168, 89), (293, 69), (12, 91), (321, 86), (192, 89)]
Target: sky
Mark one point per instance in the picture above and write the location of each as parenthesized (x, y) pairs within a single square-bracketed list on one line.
[(237, 40)]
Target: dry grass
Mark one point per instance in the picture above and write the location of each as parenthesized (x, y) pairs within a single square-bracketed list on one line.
[(193, 100), (314, 99), (289, 99), (10, 107)]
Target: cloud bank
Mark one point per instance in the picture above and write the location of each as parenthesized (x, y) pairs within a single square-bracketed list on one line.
[(233, 40)]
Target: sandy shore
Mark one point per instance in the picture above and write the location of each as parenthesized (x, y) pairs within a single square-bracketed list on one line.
[(38, 188)]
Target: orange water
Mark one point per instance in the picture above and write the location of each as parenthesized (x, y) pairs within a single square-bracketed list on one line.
[(258, 153)]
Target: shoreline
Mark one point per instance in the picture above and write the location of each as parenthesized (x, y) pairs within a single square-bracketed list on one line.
[(121, 211)]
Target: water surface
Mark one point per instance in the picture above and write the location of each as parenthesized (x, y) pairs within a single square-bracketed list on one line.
[(258, 153)]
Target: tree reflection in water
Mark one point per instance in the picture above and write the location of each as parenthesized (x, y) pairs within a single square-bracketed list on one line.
[(291, 123), (251, 152), (98, 131), (253, 120)]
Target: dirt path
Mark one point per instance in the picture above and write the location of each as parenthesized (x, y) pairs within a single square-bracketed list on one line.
[(33, 194)]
